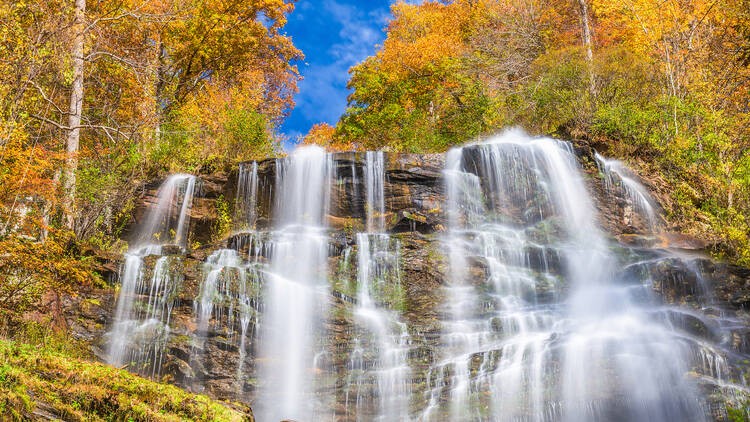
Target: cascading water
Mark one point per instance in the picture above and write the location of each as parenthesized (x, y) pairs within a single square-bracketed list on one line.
[(618, 179), (518, 208), (246, 210), (529, 314), (375, 193), (144, 304), (297, 291), (167, 222), (379, 373), (228, 300), (379, 380)]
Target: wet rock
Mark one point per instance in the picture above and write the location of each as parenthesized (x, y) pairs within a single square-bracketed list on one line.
[(207, 359), (679, 241), (213, 185), (413, 220), (637, 240), (676, 281), (180, 372), (172, 250), (106, 263), (693, 324), (731, 283), (88, 316), (423, 273), (203, 219)]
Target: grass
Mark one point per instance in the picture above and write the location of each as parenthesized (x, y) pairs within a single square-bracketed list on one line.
[(45, 379)]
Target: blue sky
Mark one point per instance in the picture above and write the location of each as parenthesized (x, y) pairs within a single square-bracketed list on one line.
[(334, 35)]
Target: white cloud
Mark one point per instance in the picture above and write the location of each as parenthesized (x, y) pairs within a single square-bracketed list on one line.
[(323, 91)]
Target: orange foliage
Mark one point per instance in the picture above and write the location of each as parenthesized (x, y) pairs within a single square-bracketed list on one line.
[(324, 135)]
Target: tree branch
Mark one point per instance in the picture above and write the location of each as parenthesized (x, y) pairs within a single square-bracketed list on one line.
[(41, 91)]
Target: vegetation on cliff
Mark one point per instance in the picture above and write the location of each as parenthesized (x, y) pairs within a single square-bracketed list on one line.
[(51, 380), (99, 98)]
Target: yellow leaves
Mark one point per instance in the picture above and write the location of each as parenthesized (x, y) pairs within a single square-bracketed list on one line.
[(324, 135), (24, 168), (692, 39), (29, 267), (423, 34), (644, 24)]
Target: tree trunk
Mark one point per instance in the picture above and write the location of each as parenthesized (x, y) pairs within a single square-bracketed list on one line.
[(74, 114), (159, 91), (586, 30)]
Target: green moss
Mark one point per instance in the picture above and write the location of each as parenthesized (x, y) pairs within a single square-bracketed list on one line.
[(74, 389), (738, 412), (223, 224)]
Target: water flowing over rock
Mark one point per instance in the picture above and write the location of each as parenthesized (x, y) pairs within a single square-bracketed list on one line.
[(246, 200), (592, 356), (620, 182), (296, 289), (144, 306), (227, 304), (484, 284), (378, 379)]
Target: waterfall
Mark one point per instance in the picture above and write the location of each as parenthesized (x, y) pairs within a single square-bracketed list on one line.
[(383, 384), (246, 211), (168, 220), (518, 208), (619, 180), (374, 184), (296, 292), (229, 299), (144, 304), (510, 304), (379, 381)]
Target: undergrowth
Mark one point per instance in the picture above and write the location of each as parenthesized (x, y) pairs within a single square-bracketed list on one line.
[(53, 380)]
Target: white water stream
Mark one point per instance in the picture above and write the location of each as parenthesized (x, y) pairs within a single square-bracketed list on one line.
[(380, 377), (296, 292), (144, 304), (518, 206)]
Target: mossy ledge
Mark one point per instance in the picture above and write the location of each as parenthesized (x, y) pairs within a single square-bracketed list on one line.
[(41, 384)]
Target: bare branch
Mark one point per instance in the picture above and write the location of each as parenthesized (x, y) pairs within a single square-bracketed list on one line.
[(117, 17), (106, 129), (41, 91)]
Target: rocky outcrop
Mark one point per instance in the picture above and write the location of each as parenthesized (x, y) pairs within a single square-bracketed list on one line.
[(208, 359)]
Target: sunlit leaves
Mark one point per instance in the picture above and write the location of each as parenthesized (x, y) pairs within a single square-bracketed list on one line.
[(324, 135)]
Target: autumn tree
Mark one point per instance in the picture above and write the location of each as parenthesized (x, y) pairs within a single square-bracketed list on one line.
[(411, 95), (444, 70), (83, 85), (665, 81), (324, 135), (224, 42), (80, 95), (75, 109)]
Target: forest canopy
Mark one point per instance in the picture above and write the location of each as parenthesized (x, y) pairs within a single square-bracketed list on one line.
[(99, 95)]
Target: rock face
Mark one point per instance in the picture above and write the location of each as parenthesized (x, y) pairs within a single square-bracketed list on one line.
[(218, 355)]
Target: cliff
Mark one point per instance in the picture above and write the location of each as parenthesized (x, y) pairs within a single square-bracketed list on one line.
[(706, 299)]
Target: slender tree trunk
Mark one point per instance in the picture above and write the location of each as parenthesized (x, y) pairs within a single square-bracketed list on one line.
[(47, 210), (586, 29), (159, 91), (74, 116)]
